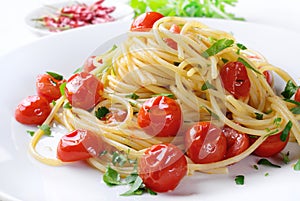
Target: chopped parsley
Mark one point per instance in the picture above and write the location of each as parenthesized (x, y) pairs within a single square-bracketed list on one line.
[(101, 112), (289, 90), (247, 65), (132, 96), (164, 94), (55, 75), (217, 47), (31, 133), (297, 166), (46, 129), (239, 179), (266, 162), (286, 131), (62, 88), (255, 167), (285, 157), (295, 110), (112, 177), (207, 85), (258, 116), (67, 105)]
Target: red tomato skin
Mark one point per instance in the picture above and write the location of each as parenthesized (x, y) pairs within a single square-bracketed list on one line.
[(145, 21), (297, 95), (205, 143), (170, 42), (32, 110), (271, 146), (160, 116), (236, 142), (235, 79), (269, 77), (162, 167), (78, 145), (84, 90), (48, 87)]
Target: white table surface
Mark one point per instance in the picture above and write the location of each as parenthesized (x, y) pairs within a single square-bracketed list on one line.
[(14, 33)]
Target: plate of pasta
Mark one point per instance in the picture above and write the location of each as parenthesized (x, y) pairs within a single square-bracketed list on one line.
[(168, 108)]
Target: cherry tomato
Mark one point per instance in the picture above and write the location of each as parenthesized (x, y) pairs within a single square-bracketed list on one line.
[(269, 77), (271, 146), (48, 87), (33, 110), (84, 90), (145, 21), (205, 143), (235, 79), (170, 42), (236, 142), (115, 115), (160, 116), (297, 95), (162, 167), (78, 145)]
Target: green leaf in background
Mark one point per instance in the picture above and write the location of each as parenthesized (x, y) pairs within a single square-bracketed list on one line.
[(186, 8)]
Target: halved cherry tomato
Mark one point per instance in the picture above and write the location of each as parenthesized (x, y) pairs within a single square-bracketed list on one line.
[(170, 42), (84, 90), (115, 115), (235, 79), (269, 77), (145, 21), (160, 116), (162, 167), (33, 110), (205, 143), (78, 145), (48, 86), (271, 146), (236, 142), (297, 95)]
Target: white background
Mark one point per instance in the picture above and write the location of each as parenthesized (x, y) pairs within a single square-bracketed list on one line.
[(14, 33)]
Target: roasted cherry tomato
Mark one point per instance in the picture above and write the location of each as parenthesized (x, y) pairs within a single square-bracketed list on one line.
[(48, 86), (145, 21), (162, 167), (236, 142), (160, 116), (271, 146), (297, 95), (78, 145), (33, 110), (84, 90), (235, 79), (205, 143)]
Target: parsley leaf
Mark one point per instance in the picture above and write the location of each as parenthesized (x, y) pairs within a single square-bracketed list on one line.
[(31, 133), (258, 116), (132, 96), (289, 90), (68, 105), (297, 166), (286, 131), (266, 162), (207, 85), (62, 88), (217, 47), (285, 157), (135, 187), (164, 94), (101, 112), (241, 46), (46, 129), (112, 177), (295, 110), (239, 179), (118, 158), (55, 75), (247, 65)]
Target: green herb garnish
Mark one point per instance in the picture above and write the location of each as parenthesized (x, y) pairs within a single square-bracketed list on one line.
[(289, 90), (297, 166), (243, 61), (266, 162), (286, 131), (258, 116), (101, 112), (67, 105), (285, 157), (239, 179), (207, 85), (62, 88), (164, 94), (46, 129), (132, 96), (55, 75), (112, 177), (217, 47), (31, 133)]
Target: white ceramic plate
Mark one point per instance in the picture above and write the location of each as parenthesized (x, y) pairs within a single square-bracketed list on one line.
[(123, 12), (23, 178)]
